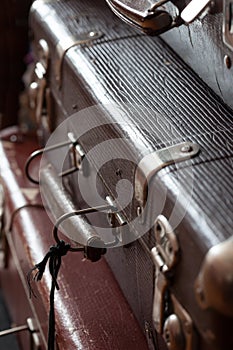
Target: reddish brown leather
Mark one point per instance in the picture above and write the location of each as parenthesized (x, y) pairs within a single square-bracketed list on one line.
[(91, 312)]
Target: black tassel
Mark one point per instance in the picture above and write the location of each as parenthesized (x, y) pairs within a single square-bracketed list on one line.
[(54, 257)]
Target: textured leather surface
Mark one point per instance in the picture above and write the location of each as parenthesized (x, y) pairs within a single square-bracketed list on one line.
[(201, 46), (91, 312), (174, 105)]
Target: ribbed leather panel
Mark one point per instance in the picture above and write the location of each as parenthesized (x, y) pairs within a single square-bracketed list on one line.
[(140, 70)]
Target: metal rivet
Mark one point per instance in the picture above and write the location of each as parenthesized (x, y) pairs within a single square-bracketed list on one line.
[(139, 211), (14, 138), (118, 172), (227, 61), (92, 34), (186, 149)]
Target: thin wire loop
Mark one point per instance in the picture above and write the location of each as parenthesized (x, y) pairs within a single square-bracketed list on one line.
[(74, 213), (16, 211), (38, 153)]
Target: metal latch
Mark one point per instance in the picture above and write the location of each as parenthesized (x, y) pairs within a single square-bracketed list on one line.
[(164, 256), (157, 160), (169, 317), (152, 17), (30, 326)]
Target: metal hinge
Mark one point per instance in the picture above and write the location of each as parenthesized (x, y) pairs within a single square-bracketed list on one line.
[(169, 317), (30, 326)]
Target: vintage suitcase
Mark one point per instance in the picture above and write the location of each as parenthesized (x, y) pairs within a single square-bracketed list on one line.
[(200, 31), (132, 112), (91, 311)]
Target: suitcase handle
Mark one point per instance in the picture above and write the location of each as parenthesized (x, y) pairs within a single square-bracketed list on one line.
[(77, 155), (74, 223)]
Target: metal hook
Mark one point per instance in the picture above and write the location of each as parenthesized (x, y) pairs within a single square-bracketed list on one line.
[(77, 162)]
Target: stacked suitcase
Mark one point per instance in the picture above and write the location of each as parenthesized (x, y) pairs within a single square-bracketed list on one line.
[(146, 136)]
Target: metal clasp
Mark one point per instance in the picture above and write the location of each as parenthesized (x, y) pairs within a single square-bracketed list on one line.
[(164, 256), (169, 317)]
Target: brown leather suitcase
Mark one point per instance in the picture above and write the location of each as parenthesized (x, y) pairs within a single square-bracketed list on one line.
[(91, 312), (158, 127)]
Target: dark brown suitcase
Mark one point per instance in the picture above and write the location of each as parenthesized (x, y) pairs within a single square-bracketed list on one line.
[(148, 100), (91, 312)]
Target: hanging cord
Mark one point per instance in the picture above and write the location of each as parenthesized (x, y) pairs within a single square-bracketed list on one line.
[(53, 258)]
